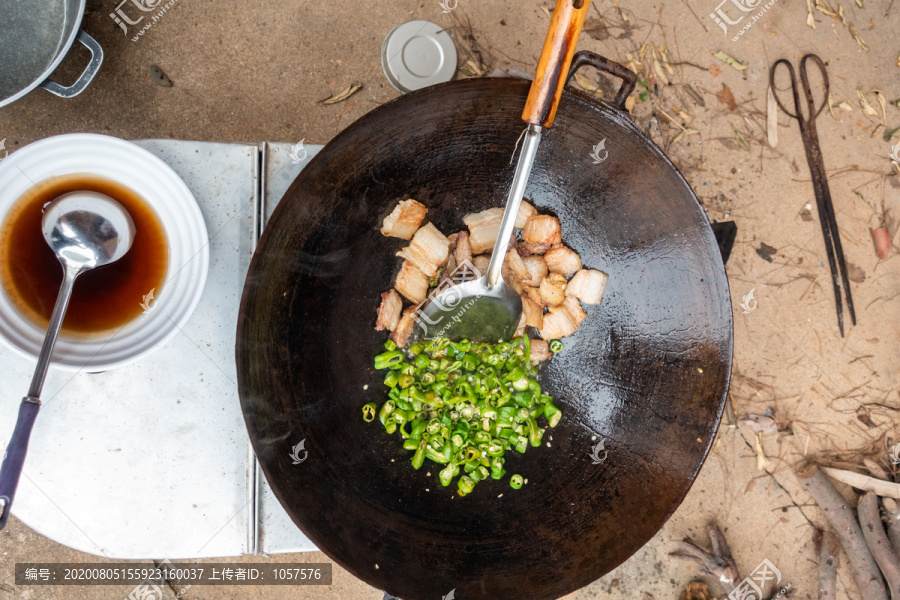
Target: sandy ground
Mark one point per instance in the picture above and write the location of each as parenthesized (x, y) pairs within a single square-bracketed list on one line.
[(252, 72)]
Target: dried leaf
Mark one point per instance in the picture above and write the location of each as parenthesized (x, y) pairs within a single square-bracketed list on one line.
[(740, 139), (846, 106), (762, 463), (855, 34), (724, 96), (841, 15), (714, 70), (890, 133), (632, 63), (696, 590), (587, 85), (473, 69), (766, 252), (809, 14), (684, 116), (546, 10), (695, 96), (883, 103), (864, 103), (660, 72), (859, 3), (855, 273), (629, 103), (831, 106), (343, 94), (664, 59), (643, 52), (825, 9), (730, 61), (684, 133), (596, 28), (771, 118)]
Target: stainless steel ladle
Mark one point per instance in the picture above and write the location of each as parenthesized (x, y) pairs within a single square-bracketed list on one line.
[(85, 230)]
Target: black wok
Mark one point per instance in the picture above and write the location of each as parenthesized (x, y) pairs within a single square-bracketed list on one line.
[(647, 373)]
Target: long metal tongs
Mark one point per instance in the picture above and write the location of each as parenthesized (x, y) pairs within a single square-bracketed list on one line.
[(810, 138)]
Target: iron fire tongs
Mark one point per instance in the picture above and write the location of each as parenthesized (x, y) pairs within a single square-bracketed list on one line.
[(819, 177)]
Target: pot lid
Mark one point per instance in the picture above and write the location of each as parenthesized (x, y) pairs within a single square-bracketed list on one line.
[(418, 54)]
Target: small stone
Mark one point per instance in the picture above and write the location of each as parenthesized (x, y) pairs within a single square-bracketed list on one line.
[(159, 77)]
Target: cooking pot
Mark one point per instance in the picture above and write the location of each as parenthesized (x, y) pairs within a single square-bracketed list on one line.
[(34, 38)]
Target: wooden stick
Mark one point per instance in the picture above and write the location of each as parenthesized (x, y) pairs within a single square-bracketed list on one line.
[(892, 510), (865, 570), (886, 489), (879, 546), (827, 551)]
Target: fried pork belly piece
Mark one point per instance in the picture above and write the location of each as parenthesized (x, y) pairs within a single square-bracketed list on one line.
[(562, 260), (533, 294), (481, 263), (540, 351), (533, 312), (520, 328), (553, 290), (537, 269), (404, 220), (483, 229), (411, 283), (463, 251), (527, 248), (563, 320), (510, 278), (389, 311), (428, 250), (517, 266), (573, 307), (588, 286), (542, 229), (526, 211), (405, 326)]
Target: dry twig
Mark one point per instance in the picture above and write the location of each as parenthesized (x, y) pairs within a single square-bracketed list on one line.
[(842, 519), (719, 564), (827, 551), (879, 546)]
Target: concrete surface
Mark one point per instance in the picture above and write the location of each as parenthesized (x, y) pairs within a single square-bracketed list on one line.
[(250, 72)]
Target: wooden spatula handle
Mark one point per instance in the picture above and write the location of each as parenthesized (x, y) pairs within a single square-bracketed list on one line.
[(550, 77)]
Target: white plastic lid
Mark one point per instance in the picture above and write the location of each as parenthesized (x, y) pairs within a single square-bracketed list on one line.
[(418, 54)]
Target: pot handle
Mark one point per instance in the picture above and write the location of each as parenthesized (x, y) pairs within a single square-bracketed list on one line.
[(601, 63), (85, 78), (549, 79)]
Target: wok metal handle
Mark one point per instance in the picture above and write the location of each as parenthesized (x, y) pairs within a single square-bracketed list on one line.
[(86, 76), (559, 47), (601, 63)]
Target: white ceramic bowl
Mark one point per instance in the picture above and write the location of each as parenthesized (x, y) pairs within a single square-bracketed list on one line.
[(170, 198)]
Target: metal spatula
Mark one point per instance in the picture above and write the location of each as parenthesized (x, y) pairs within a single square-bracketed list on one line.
[(487, 309)]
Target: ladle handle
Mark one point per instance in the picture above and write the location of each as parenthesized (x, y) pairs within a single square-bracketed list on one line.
[(15, 456), (553, 67), (11, 469)]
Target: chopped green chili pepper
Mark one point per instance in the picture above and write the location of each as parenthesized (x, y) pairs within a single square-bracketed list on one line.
[(463, 405), (388, 359), (555, 346), (516, 481)]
